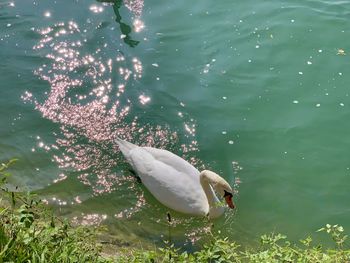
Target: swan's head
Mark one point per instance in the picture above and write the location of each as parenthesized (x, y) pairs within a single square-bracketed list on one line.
[(223, 188), (226, 192), (228, 198), (220, 185)]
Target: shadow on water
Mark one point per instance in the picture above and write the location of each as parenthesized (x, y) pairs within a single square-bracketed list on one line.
[(124, 28)]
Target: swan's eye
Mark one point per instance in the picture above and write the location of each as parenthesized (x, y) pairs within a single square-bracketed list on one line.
[(227, 194)]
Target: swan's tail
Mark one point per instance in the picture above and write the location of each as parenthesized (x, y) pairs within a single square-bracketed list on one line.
[(125, 147)]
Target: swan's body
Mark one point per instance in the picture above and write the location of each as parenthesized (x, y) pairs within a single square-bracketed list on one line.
[(176, 183)]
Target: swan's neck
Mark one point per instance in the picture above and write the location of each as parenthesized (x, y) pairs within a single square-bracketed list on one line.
[(207, 190), (208, 180)]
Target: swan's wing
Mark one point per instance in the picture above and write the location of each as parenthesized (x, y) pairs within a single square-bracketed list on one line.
[(173, 160), (164, 176), (125, 147)]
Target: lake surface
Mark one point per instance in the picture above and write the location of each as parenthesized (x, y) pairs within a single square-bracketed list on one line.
[(257, 91)]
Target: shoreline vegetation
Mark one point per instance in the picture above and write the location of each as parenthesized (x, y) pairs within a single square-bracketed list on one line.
[(30, 232)]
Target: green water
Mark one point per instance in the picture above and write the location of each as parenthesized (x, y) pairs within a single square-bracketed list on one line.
[(255, 90)]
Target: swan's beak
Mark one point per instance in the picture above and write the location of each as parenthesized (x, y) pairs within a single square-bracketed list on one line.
[(228, 199)]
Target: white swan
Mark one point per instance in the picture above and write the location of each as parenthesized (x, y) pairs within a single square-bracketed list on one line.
[(176, 183)]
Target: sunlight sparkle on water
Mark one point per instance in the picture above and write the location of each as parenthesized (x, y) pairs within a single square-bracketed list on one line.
[(144, 99), (88, 98), (135, 6), (96, 9), (61, 177), (90, 219), (47, 14), (138, 25), (137, 67), (90, 109)]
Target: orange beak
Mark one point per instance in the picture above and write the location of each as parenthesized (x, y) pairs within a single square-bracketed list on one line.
[(229, 201)]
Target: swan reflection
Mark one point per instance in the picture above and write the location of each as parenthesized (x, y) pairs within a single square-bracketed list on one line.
[(125, 29)]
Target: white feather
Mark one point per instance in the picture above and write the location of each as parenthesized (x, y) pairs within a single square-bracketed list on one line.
[(172, 181)]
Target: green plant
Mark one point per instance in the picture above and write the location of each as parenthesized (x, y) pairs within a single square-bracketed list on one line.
[(29, 232), (336, 232)]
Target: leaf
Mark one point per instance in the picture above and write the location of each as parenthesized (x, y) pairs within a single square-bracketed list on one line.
[(13, 199), (3, 210), (52, 223), (7, 246)]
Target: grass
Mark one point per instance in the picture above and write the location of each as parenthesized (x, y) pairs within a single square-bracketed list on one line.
[(30, 232)]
